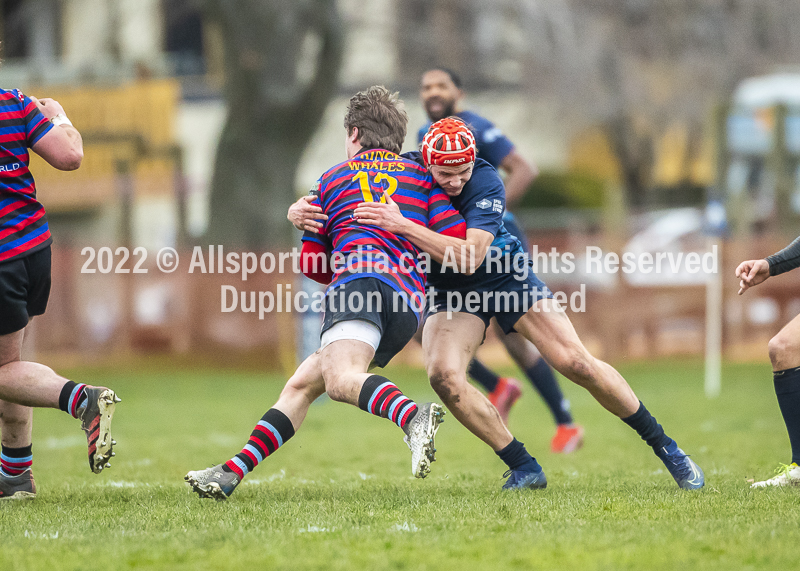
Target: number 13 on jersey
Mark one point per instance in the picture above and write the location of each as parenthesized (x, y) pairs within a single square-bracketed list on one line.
[(366, 190)]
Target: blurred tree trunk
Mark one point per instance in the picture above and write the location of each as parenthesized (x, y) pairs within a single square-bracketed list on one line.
[(634, 153), (281, 64)]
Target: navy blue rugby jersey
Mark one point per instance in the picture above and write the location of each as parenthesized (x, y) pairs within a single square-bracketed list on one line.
[(482, 203), (493, 145)]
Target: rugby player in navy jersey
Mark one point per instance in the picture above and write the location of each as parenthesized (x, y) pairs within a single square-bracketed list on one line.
[(464, 303), (784, 353), (373, 302), (441, 95), (41, 125)]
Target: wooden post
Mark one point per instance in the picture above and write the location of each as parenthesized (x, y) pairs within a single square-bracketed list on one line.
[(779, 162), (125, 187), (714, 315)]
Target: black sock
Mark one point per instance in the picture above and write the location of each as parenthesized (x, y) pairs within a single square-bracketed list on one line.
[(787, 389), (516, 457), (543, 379), (645, 424), (72, 397), (271, 432), (485, 377), (381, 397)]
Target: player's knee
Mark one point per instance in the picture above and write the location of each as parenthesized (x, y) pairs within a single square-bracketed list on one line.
[(783, 349), (298, 385), (334, 386), (578, 366), (440, 376), (445, 383), (335, 393)]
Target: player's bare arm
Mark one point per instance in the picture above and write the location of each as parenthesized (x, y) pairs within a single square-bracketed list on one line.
[(61, 147), (519, 175), (306, 216), (389, 217)]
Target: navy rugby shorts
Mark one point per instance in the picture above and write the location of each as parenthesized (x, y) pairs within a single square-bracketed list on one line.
[(501, 296)]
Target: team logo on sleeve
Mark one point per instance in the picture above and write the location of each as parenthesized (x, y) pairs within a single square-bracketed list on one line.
[(484, 204)]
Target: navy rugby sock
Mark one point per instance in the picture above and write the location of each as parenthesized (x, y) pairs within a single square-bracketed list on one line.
[(483, 375), (648, 428), (787, 389), (381, 397), (14, 461), (543, 379), (271, 432), (72, 397), (517, 457)]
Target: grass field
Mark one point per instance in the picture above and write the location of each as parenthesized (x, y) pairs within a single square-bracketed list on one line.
[(339, 495)]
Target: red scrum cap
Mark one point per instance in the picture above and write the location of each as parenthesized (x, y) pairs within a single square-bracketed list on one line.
[(448, 142)]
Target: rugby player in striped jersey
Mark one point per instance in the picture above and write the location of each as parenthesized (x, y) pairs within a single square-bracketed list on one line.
[(374, 299), (41, 125)]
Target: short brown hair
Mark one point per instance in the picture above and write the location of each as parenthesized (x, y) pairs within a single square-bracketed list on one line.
[(380, 118)]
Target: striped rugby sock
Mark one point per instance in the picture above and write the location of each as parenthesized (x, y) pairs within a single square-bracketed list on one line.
[(271, 432), (72, 397), (14, 461), (381, 397)]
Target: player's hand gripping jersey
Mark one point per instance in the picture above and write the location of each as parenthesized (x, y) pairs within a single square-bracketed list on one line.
[(370, 251), (23, 224)]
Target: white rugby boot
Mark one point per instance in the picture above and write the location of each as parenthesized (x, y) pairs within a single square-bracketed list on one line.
[(784, 476), (420, 433)]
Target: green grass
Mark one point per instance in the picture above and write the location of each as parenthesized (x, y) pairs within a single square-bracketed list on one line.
[(338, 496)]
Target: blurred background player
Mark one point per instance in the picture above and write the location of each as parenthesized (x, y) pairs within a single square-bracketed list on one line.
[(784, 352), (441, 95), (26, 122)]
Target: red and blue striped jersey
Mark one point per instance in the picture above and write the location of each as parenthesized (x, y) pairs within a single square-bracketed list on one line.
[(370, 251), (23, 224)]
